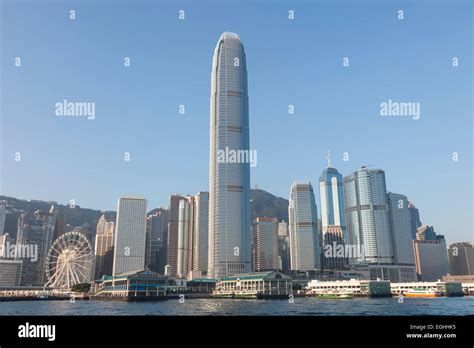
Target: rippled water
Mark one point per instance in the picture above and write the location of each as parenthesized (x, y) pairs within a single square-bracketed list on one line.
[(301, 306)]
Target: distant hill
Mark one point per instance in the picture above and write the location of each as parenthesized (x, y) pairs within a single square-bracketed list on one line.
[(264, 203), (76, 216)]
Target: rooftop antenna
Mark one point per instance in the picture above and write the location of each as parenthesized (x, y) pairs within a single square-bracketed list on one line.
[(329, 160)]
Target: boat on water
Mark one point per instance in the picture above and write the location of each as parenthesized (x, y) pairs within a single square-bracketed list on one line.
[(419, 292), (334, 295), (236, 294)]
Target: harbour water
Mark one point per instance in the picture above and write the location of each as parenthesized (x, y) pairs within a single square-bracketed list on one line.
[(301, 306)]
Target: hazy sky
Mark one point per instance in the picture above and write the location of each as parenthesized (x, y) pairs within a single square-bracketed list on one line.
[(296, 62)]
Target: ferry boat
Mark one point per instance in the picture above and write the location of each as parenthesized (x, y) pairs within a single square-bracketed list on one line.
[(335, 295), (242, 294), (419, 292)]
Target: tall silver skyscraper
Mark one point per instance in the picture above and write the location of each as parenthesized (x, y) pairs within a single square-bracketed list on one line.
[(229, 181), (332, 199), (130, 235), (367, 215), (304, 236)]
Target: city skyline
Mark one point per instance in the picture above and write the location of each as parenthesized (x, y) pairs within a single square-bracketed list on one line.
[(416, 164)]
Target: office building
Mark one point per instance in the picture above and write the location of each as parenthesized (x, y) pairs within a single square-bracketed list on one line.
[(303, 228), (130, 235), (461, 258), (332, 199), (415, 221), (104, 247), (3, 217), (35, 235), (265, 244), (229, 177), (367, 215), (431, 256)]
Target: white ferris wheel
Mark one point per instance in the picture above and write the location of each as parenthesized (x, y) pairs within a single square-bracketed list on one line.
[(70, 261)]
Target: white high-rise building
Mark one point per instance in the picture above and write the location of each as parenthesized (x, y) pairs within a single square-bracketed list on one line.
[(130, 235), (303, 226), (229, 177)]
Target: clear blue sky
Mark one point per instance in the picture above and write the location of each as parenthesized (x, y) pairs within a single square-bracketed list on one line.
[(295, 62)]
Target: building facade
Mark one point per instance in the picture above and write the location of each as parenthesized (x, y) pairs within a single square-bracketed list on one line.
[(104, 247), (173, 225), (265, 244), (3, 217), (431, 256), (229, 181), (332, 199), (334, 255), (367, 215), (461, 258), (201, 233), (130, 235), (415, 221), (35, 232), (401, 229), (188, 234), (303, 228)]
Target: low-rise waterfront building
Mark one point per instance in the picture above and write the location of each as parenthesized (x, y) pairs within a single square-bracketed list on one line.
[(359, 288), (254, 285), (141, 285), (445, 288)]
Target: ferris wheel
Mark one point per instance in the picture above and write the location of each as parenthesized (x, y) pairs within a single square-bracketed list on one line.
[(69, 261)]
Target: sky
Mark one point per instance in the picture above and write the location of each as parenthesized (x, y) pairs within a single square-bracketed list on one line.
[(290, 62)]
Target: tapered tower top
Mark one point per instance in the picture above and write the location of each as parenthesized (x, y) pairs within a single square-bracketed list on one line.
[(229, 36)]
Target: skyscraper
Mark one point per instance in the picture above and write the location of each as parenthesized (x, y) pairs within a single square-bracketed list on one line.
[(157, 239), (431, 256), (173, 226), (188, 234), (283, 247), (415, 221), (333, 248), (3, 216), (104, 247), (401, 229), (303, 226), (130, 235), (332, 199), (185, 236), (461, 258), (229, 181), (35, 230), (400, 226), (367, 215), (265, 244), (201, 232)]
